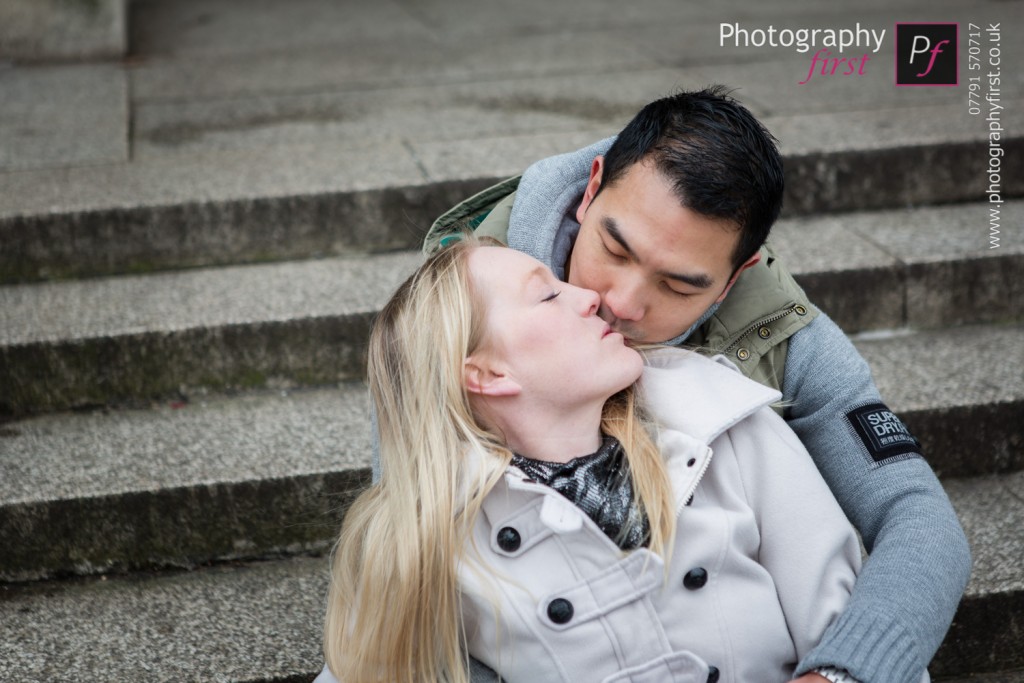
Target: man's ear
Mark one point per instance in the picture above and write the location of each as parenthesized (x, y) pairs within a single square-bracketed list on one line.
[(596, 171), (481, 378), (752, 261)]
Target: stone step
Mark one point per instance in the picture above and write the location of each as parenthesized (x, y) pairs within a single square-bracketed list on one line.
[(114, 340), (142, 337), (32, 30), (959, 390), (181, 484), (997, 677), (922, 267), (228, 477), (985, 635), (261, 621), (249, 203)]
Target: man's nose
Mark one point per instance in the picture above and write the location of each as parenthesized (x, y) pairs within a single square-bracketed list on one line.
[(624, 299)]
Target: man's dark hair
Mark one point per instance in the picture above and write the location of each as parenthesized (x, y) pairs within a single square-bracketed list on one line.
[(721, 161)]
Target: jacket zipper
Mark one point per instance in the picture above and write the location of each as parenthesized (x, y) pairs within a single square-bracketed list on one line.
[(696, 481), (760, 323)]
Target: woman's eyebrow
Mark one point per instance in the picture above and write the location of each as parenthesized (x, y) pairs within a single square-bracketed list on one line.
[(535, 274)]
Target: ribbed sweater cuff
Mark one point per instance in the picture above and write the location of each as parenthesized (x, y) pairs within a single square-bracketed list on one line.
[(871, 647)]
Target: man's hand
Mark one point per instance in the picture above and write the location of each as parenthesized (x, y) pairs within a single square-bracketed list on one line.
[(810, 678)]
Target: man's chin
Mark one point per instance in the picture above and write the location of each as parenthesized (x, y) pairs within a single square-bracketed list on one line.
[(635, 337), (638, 340)]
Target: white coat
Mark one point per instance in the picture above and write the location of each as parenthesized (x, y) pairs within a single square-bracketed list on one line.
[(764, 558)]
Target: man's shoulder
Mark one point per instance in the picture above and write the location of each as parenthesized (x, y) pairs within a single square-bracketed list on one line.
[(765, 302), (486, 213), (763, 289), (755, 321)]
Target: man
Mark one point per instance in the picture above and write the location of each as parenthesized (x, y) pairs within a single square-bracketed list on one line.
[(668, 223)]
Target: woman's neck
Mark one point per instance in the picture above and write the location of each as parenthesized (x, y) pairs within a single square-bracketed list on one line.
[(551, 434)]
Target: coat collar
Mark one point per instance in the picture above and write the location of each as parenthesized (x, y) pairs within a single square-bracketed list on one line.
[(698, 396)]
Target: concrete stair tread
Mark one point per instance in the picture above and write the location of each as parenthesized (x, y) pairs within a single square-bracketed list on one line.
[(923, 267), (958, 391), (260, 164), (998, 677), (258, 622), (938, 369), (168, 34), (181, 483), (265, 434), (126, 339), (165, 302), (211, 439), (910, 236), (268, 471), (120, 339), (985, 635), (168, 302), (261, 621), (990, 510), (251, 202)]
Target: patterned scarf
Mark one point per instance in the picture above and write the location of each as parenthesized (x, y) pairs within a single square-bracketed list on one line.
[(601, 486)]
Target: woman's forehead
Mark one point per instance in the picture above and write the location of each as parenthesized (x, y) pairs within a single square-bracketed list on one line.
[(504, 263)]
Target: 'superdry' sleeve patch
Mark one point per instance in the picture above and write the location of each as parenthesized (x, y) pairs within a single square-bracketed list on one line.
[(884, 435)]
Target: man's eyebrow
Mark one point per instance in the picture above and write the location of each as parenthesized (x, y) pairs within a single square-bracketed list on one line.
[(700, 280), (612, 228)]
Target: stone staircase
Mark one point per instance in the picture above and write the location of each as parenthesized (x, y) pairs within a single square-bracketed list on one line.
[(182, 329)]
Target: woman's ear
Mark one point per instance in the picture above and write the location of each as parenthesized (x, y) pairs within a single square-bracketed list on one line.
[(482, 378)]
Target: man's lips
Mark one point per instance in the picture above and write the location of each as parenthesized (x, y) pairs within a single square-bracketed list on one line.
[(611, 322)]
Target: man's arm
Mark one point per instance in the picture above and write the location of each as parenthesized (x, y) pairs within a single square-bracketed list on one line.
[(919, 564)]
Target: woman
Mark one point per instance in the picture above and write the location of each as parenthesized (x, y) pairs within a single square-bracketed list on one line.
[(526, 516)]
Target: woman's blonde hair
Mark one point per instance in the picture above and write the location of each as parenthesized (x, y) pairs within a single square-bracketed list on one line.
[(394, 611)]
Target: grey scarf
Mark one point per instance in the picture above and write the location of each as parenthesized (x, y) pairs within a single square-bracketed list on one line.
[(601, 486)]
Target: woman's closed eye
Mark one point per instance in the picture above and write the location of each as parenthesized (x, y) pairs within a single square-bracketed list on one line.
[(551, 297)]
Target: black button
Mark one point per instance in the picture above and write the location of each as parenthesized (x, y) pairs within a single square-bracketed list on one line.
[(560, 611), (713, 674), (509, 539), (695, 578)]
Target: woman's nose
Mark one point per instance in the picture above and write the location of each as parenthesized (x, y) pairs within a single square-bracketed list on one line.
[(590, 301)]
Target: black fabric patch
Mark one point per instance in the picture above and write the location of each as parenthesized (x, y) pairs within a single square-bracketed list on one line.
[(884, 436)]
